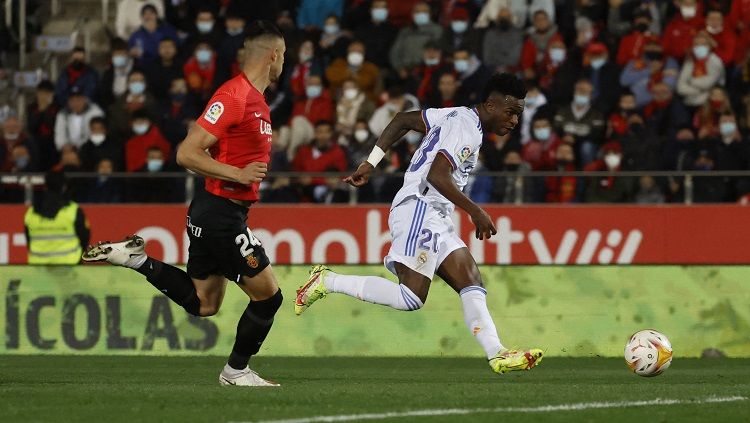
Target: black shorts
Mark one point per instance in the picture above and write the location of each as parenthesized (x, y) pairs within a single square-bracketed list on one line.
[(220, 241)]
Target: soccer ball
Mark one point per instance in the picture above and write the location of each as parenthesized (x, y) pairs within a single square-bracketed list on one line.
[(648, 353)]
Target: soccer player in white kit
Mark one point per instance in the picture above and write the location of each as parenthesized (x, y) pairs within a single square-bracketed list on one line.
[(424, 240)]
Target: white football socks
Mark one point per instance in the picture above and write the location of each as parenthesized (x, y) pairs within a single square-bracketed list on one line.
[(478, 319), (373, 289)]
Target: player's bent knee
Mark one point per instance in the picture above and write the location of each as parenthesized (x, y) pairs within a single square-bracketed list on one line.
[(266, 309), (408, 300)]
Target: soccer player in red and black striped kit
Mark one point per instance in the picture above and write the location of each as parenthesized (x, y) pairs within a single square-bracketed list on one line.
[(230, 146)]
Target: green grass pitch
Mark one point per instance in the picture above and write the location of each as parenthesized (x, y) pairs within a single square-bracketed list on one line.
[(143, 389)]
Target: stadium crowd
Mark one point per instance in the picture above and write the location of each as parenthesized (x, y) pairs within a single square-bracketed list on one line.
[(612, 85)]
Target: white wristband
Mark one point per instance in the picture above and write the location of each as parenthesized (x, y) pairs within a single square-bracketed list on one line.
[(376, 155)]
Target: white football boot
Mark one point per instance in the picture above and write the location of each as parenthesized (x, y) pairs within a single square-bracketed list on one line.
[(127, 253), (244, 377)]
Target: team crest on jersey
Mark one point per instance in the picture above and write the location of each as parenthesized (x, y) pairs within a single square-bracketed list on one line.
[(464, 153), (421, 259), (252, 261), (214, 112)]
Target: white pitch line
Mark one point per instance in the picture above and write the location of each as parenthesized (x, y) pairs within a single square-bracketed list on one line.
[(539, 409)]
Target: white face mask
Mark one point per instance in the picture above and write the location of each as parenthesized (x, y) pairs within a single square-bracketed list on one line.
[(701, 52), (97, 139), (557, 55), (140, 128), (355, 58), (350, 93), (688, 12), (612, 160), (361, 135)]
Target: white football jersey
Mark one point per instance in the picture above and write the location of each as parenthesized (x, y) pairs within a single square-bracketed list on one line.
[(454, 132)]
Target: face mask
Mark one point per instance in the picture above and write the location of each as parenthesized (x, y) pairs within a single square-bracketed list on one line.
[(727, 128), (304, 57), (351, 93), (97, 139), (542, 134), (379, 15), (652, 55), (581, 100), (205, 27), (563, 162), (11, 136), (421, 18), (703, 166), (641, 27), (716, 104), (413, 137), (331, 29), (119, 61), (355, 58), (431, 62), (503, 24), (461, 65), (712, 30), (612, 160), (700, 52), (459, 27), (178, 97), (512, 167), (137, 87), (235, 31), (154, 165), (203, 56), (361, 135), (313, 91), (22, 162), (557, 55), (598, 62), (77, 65), (530, 101), (140, 128), (688, 12)]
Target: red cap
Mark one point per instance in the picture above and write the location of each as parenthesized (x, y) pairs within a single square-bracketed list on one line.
[(459, 14), (612, 146), (596, 49)]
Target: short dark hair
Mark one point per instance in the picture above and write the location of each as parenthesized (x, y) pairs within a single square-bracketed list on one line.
[(140, 114), (98, 119), (55, 181), (504, 83), (323, 122), (45, 85), (149, 6), (118, 44), (259, 29)]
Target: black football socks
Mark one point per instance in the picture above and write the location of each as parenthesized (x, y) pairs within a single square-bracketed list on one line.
[(173, 282), (252, 329)]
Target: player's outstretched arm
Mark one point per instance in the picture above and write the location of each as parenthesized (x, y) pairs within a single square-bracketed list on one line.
[(440, 177), (192, 155), (402, 123)]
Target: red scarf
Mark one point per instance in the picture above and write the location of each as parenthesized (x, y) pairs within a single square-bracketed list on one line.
[(699, 68)]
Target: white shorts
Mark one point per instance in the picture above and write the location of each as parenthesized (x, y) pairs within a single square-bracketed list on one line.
[(421, 237)]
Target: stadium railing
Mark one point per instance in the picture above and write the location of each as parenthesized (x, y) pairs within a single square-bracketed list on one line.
[(520, 181)]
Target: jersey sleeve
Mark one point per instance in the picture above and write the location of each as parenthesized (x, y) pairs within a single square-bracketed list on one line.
[(458, 141), (222, 112), (432, 116)]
